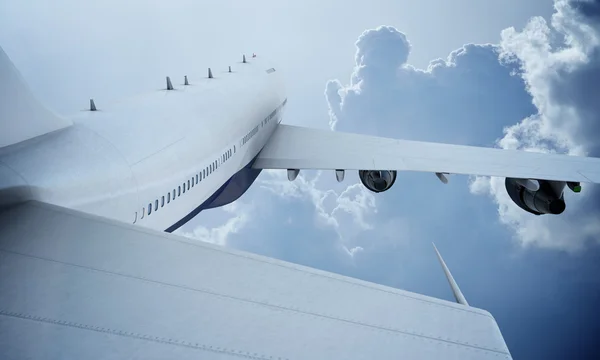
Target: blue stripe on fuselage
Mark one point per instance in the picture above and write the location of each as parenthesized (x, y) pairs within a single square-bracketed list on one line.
[(230, 191)]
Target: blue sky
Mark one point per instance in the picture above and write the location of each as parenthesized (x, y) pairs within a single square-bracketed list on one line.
[(421, 76)]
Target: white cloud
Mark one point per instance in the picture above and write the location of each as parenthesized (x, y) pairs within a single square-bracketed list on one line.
[(559, 76), (530, 86), (477, 90), (348, 213), (238, 216)]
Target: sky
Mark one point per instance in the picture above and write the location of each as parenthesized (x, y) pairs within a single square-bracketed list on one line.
[(510, 74)]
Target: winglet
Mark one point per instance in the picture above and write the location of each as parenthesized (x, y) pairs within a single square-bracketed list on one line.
[(22, 117), (455, 289)]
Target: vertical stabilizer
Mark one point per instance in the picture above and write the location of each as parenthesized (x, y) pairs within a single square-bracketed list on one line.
[(22, 117), (455, 289)]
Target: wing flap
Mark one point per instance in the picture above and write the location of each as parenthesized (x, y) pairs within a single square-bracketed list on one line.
[(74, 285), (293, 147)]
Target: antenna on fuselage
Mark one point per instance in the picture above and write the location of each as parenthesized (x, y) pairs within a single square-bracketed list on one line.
[(169, 84), (244, 59), (185, 80), (460, 298), (230, 69), (210, 76), (92, 105)]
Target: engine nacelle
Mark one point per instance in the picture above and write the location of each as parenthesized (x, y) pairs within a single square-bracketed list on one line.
[(547, 199), (377, 180)]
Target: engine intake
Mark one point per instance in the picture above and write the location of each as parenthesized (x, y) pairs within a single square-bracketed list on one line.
[(377, 180), (548, 199)]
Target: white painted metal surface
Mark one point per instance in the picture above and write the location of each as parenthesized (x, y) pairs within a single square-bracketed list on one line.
[(75, 285), (118, 161), (302, 148), (458, 295), (77, 280), (22, 117)]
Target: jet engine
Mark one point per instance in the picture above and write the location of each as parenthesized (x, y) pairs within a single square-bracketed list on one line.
[(377, 180), (537, 196)]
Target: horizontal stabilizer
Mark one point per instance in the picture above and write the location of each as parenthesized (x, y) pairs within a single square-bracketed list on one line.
[(22, 117)]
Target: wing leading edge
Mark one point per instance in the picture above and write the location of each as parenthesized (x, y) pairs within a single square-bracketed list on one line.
[(293, 147), (79, 286)]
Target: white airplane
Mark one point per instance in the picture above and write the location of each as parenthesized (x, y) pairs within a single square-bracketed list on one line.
[(89, 270)]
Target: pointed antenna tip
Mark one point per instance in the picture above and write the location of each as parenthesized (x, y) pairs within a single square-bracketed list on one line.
[(185, 80), (458, 295), (210, 75), (92, 105), (169, 84)]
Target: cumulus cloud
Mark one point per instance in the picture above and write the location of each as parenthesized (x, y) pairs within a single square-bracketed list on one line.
[(560, 64), (238, 215), (467, 98), (348, 213), (536, 90)]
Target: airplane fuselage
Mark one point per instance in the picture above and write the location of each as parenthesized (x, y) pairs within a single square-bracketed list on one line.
[(157, 159)]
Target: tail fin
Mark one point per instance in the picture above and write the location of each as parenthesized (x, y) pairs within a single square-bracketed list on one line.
[(22, 117)]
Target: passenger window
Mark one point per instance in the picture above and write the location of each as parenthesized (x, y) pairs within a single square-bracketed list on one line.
[(188, 184), (173, 194), (143, 212), (203, 173), (162, 201), (196, 178), (135, 220), (169, 197), (192, 181), (155, 204), (184, 188), (179, 191), (149, 208)]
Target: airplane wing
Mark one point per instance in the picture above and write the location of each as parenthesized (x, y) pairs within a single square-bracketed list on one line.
[(77, 286), (293, 147)]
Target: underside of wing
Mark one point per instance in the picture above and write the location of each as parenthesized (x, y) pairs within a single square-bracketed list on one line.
[(74, 285), (293, 147)]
